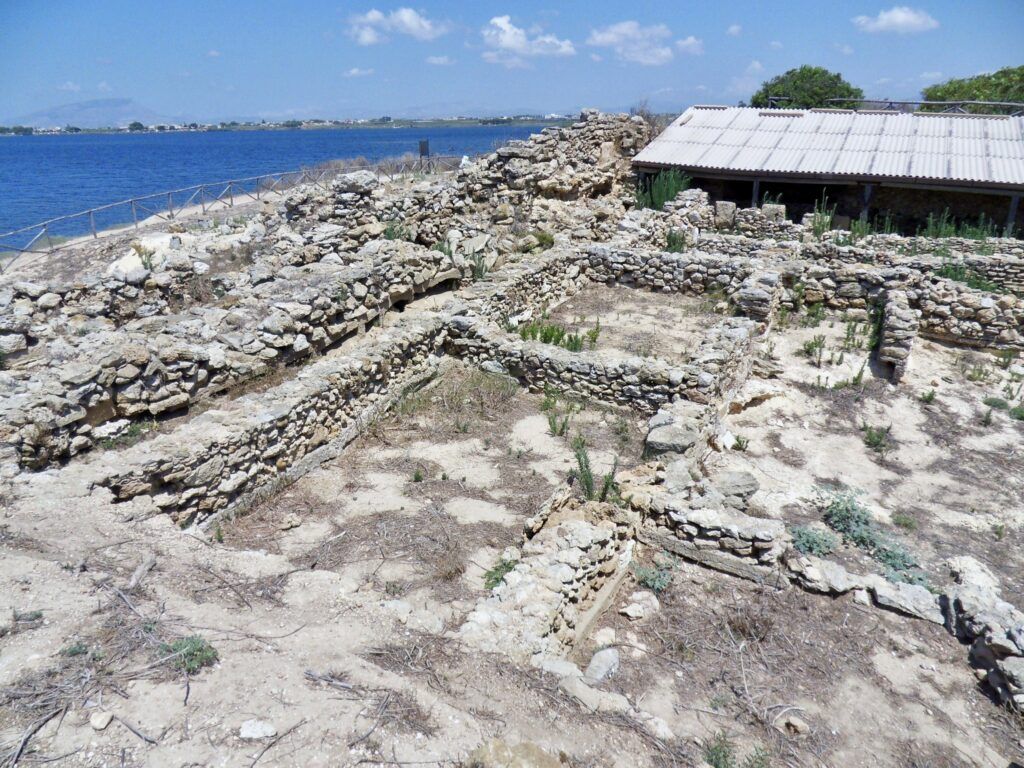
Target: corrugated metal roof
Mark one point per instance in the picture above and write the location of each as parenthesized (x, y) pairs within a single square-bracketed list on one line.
[(941, 148)]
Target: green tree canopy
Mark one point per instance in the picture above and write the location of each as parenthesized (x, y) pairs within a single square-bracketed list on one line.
[(135, 125), (806, 88), (1005, 85)]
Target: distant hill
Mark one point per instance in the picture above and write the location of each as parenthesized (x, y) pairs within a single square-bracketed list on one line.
[(97, 113)]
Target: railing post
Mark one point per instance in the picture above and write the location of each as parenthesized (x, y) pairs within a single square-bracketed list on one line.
[(202, 197), (170, 205), (231, 195), (135, 214), (92, 223), (49, 242)]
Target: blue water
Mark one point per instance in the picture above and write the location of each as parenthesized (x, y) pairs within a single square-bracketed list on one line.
[(42, 177)]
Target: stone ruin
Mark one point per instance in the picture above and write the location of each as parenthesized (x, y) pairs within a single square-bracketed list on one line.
[(241, 349)]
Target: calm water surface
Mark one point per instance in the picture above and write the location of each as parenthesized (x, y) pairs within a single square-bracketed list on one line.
[(46, 176)]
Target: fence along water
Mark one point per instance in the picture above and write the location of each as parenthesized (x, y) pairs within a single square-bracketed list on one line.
[(113, 218)]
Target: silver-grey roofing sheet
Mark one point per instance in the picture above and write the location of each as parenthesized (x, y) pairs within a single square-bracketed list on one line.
[(918, 146)]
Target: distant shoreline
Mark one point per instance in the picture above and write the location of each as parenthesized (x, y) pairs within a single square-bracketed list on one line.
[(306, 126)]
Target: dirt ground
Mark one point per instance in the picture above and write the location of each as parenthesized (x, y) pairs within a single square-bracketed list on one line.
[(315, 629), (632, 322), (946, 478)]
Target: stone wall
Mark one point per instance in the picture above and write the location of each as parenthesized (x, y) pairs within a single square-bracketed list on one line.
[(221, 457), (640, 383), (587, 159), (165, 364), (571, 549)]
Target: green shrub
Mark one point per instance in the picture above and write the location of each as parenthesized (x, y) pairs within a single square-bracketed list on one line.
[(190, 654), (496, 575), (75, 649), (395, 230), (814, 349), (558, 426), (811, 541), (846, 515), (996, 402), (962, 274), (583, 473), (656, 577), (877, 438), (544, 239), (1017, 413), (927, 397), (822, 218), (662, 188), (721, 753), (904, 521), (478, 265), (675, 241)]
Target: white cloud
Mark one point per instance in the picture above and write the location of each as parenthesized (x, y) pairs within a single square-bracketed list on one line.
[(631, 42), (357, 72), (775, 45), (595, 57), (844, 48), (103, 87), (734, 30), (372, 27), (883, 81), (213, 53), (691, 45), (510, 45), (900, 19), (69, 86), (930, 77), (440, 61), (749, 81)]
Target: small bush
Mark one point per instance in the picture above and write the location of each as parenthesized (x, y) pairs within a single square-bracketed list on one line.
[(904, 521), (1017, 413), (191, 654), (583, 473), (558, 426), (75, 649), (544, 239), (997, 403), (811, 541), (822, 218), (656, 577), (845, 514), (814, 349), (877, 438), (927, 397), (496, 575), (721, 753), (417, 476), (675, 241), (395, 230), (662, 188), (479, 266)]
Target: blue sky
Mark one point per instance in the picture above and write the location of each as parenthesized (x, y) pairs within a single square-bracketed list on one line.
[(214, 59)]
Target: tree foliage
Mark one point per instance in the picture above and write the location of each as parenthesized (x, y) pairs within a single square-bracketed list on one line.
[(135, 125), (807, 88), (1005, 85)]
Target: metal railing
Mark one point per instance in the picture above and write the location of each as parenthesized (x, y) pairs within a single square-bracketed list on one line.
[(1010, 108), (115, 218)]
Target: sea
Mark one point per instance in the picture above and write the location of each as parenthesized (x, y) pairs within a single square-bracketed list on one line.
[(43, 177)]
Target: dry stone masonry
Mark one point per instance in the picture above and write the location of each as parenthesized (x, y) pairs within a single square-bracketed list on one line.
[(253, 350)]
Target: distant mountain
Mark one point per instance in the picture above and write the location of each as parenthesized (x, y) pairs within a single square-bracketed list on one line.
[(97, 113)]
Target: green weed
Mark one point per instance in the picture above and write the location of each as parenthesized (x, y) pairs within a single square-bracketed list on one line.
[(496, 575)]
